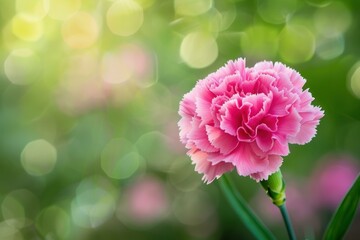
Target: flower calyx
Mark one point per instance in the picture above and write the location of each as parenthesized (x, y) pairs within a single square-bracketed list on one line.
[(275, 188)]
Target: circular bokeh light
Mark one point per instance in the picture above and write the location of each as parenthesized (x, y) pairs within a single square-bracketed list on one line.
[(125, 17), (191, 7), (119, 159), (94, 202), (9, 232), (63, 9), (260, 42), (330, 47), (25, 29), (354, 79), (80, 31), (13, 212), (53, 221), (22, 66), (296, 44), (333, 19), (276, 11), (32, 9), (38, 157), (198, 49)]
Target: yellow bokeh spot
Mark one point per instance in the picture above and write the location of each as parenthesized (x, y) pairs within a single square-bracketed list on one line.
[(296, 44), (198, 49), (32, 9), (145, 3), (63, 9), (26, 29), (191, 7), (125, 17), (80, 31), (10, 40), (38, 157)]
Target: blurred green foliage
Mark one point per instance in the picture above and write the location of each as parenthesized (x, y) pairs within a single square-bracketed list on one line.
[(89, 97)]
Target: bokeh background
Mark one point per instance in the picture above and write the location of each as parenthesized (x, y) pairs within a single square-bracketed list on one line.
[(89, 93)]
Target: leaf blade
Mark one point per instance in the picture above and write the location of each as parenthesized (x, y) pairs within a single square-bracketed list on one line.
[(342, 218), (250, 220)]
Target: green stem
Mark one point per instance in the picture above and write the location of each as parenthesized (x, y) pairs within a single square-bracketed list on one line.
[(248, 217), (287, 221)]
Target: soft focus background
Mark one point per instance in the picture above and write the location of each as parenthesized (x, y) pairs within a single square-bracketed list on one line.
[(89, 93)]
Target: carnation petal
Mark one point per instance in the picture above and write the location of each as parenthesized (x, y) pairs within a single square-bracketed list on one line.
[(187, 105), (264, 83), (297, 80), (216, 104), (221, 140), (271, 123), (256, 102), (279, 148), (245, 160), (306, 133), (264, 140), (280, 104), (185, 127), (259, 111), (289, 125), (305, 100), (264, 65), (199, 137), (203, 105), (274, 163), (231, 117), (203, 166), (216, 171), (243, 135)]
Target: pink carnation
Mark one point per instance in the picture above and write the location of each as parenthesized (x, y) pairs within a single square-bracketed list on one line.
[(245, 118)]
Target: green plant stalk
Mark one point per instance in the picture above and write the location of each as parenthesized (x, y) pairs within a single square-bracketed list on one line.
[(287, 221), (275, 188), (248, 217)]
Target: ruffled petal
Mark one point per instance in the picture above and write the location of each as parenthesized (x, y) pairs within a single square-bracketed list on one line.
[(289, 125), (231, 116), (203, 102), (279, 148), (274, 163), (199, 136), (308, 126), (264, 140), (221, 140), (203, 166), (184, 127)]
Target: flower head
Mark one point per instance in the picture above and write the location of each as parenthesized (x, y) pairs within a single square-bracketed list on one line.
[(245, 118)]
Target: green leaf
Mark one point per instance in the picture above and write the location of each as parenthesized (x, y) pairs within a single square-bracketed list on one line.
[(341, 220), (250, 220)]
